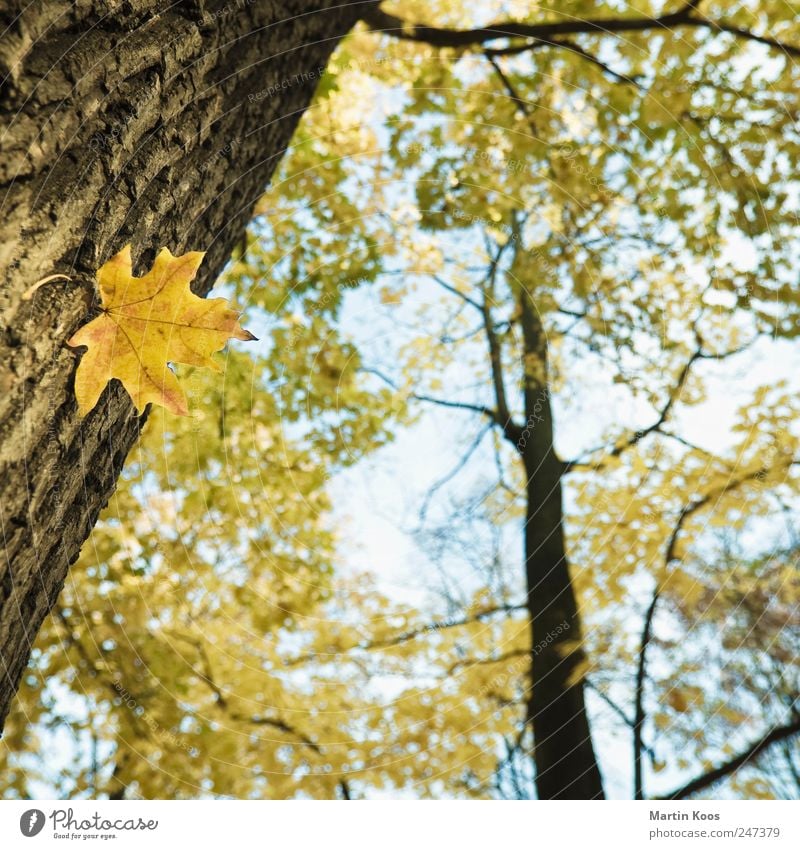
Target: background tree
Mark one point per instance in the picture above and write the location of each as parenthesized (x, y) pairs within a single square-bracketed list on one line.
[(592, 246), (589, 261), (603, 272)]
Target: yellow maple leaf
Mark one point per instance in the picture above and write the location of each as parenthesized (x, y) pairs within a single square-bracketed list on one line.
[(146, 323)]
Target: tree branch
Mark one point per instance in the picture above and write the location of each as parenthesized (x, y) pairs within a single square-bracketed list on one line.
[(791, 49), (423, 510), (748, 756), (491, 53), (208, 678), (441, 402), (590, 685), (639, 435), (280, 725), (639, 715), (692, 507), (406, 636), (521, 104), (384, 22), (457, 405), (511, 430), (687, 16), (453, 291), (434, 627), (487, 661), (670, 555), (663, 414)]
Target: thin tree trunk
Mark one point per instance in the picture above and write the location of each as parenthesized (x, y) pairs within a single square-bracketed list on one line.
[(566, 766), (153, 122), (639, 715)]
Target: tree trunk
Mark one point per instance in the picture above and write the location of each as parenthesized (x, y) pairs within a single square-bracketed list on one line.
[(153, 122), (566, 766)]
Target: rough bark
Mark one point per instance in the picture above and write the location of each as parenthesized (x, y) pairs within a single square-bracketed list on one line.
[(566, 766), (150, 122)]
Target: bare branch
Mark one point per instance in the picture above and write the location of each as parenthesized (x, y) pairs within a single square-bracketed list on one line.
[(457, 405), (686, 16), (693, 506), (511, 430), (441, 402), (748, 756), (435, 627), (422, 630), (663, 414), (639, 435), (521, 104), (453, 291), (207, 676), (590, 685), (487, 661), (423, 511), (790, 49), (585, 54), (280, 725), (572, 47)]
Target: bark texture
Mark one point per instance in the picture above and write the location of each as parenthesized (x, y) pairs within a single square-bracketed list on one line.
[(566, 765), (145, 121)]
